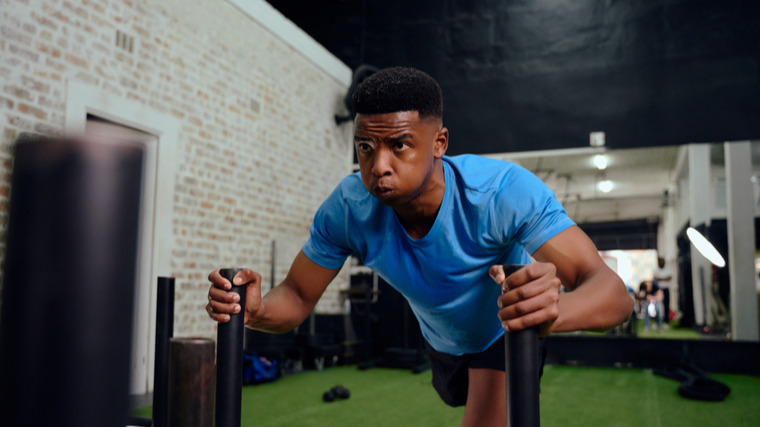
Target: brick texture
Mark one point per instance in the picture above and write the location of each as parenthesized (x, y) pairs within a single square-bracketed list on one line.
[(258, 149)]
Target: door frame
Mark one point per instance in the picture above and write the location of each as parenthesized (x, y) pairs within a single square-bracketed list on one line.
[(83, 99)]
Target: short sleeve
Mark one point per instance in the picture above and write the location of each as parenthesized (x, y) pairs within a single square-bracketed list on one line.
[(328, 243), (527, 211)]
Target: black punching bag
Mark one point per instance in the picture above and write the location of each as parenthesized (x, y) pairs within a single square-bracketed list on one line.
[(69, 280)]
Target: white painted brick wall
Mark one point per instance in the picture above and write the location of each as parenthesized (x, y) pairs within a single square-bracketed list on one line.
[(245, 177)]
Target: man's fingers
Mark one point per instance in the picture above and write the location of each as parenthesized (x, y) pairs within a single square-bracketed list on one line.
[(217, 280), (529, 290), (532, 319), (223, 303), (522, 276), (530, 298), (221, 308), (529, 273), (522, 308), (246, 275), (219, 317), (223, 296), (497, 273)]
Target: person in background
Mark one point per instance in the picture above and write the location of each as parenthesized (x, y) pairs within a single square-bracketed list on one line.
[(651, 292), (663, 276), (630, 326)]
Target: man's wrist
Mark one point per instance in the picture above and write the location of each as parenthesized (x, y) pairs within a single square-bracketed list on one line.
[(254, 319), (557, 325)]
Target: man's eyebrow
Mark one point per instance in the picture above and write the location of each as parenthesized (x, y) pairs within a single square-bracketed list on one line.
[(391, 139), (399, 138)]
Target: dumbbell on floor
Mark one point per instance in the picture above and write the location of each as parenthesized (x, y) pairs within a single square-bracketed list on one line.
[(336, 392)]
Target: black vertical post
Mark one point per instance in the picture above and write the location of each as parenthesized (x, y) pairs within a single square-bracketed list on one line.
[(229, 356), (164, 331), (68, 291), (273, 265), (521, 371), (368, 321), (191, 382)]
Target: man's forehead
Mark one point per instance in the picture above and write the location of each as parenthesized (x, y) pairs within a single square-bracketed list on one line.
[(401, 118), (401, 121)]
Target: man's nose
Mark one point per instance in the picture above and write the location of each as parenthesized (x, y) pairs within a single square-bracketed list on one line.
[(382, 163)]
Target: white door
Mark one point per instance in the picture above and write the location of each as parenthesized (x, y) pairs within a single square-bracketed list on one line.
[(144, 286)]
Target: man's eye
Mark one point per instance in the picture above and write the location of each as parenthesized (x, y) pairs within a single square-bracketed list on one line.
[(399, 146), (364, 148)]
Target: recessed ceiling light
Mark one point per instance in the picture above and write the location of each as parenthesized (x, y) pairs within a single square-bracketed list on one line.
[(600, 161), (605, 186)]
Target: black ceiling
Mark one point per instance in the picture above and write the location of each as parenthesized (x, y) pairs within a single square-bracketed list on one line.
[(530, 74)]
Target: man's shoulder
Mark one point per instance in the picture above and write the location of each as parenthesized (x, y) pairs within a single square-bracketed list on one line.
[(350, 195), (351, 188), (352, 183), (483, 173), (476, 163)]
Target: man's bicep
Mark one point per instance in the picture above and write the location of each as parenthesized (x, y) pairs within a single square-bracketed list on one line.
[(573, 253), (308, 280)]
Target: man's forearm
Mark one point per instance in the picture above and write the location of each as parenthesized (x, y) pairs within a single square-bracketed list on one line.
[(599, 303), (282, 310)]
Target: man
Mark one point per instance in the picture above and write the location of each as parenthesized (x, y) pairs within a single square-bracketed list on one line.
[(438, 229), (653, 295)]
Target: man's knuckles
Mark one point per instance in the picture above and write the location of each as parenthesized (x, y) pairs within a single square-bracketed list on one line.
[(521, 309), (524, 292), (554, 298), (537, 270), (250, 276), (221, 307)]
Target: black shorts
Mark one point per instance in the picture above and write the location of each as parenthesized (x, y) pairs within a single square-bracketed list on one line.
[(450, 373)]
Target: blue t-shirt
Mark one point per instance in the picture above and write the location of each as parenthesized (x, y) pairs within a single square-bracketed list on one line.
[(493, 212)]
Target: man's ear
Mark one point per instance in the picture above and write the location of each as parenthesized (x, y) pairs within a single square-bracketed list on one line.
[(441, 143)]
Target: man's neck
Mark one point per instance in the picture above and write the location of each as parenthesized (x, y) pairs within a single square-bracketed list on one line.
[(418, 216)]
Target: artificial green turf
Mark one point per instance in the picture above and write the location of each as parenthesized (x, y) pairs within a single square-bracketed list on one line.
[(578, 396), (672, 332), (570, 396)]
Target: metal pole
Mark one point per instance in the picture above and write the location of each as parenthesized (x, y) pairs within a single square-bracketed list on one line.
[(191, 382), (164, 332), (68, 292), (273, 265), (229, 369), (368, 320), (521, 372)]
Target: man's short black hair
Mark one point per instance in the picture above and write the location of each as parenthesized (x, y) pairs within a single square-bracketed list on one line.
[(397, 89)]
